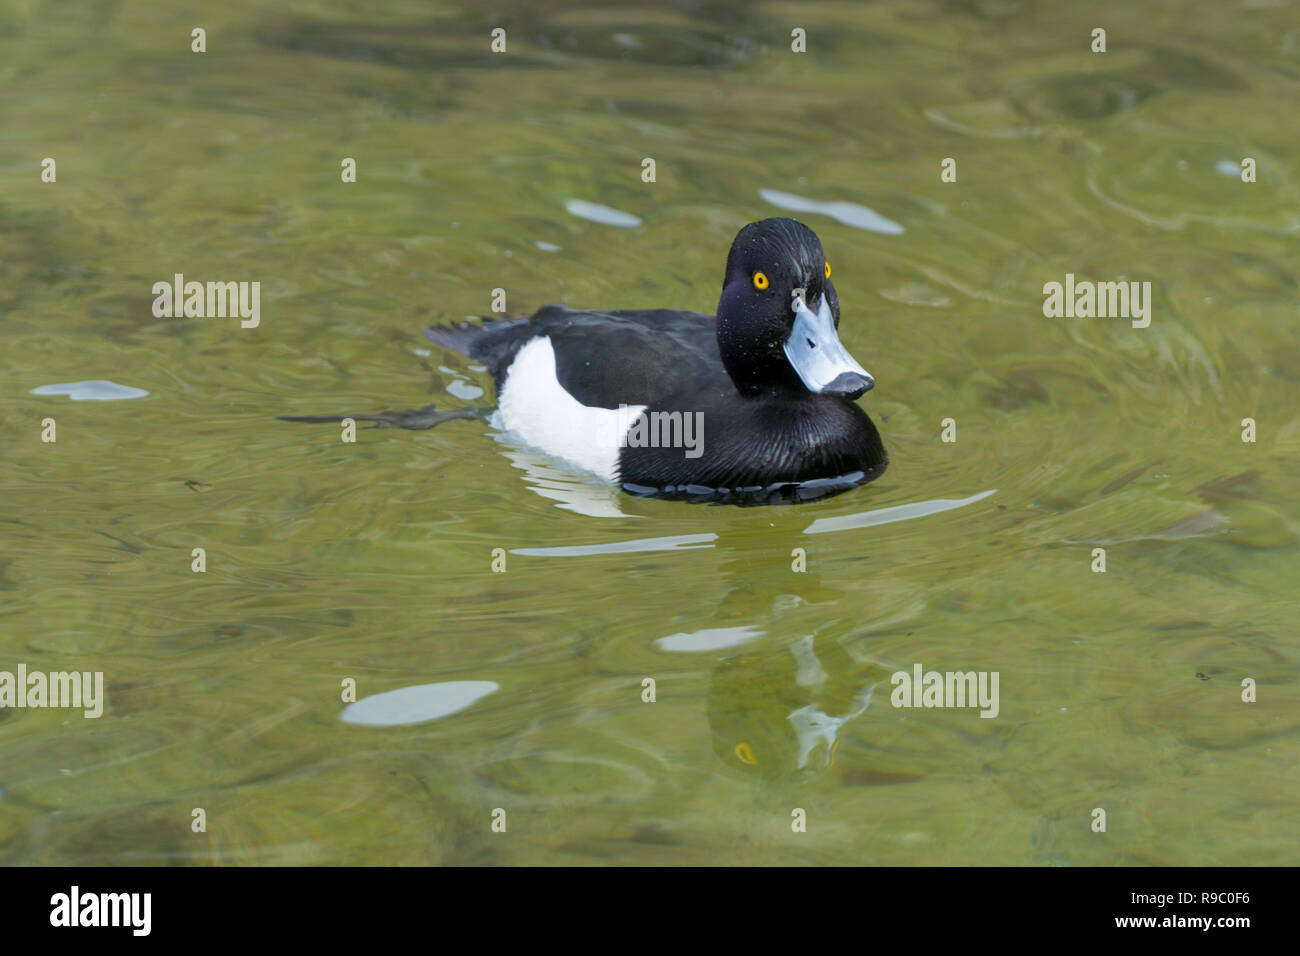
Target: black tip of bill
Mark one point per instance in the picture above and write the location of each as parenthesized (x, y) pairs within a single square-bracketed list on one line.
[(849, 384)]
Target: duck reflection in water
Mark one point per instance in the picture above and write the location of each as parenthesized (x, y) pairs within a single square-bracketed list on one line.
[(780, 715)]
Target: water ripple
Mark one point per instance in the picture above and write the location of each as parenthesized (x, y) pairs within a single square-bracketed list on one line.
[(867, 519), (415, 705), (96, 390), (672, 543), (848, 213)]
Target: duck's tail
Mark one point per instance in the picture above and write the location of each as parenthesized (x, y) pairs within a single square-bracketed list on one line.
[(460, 338)]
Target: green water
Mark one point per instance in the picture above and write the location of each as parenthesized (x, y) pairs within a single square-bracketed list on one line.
[(373, 561)]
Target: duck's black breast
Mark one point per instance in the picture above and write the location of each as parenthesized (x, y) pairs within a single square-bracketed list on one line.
[(756, 450), (607, 359)]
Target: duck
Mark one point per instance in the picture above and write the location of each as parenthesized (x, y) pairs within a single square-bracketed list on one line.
[(756, 404)]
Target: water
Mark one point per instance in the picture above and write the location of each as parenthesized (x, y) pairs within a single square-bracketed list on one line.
[(373, 562)]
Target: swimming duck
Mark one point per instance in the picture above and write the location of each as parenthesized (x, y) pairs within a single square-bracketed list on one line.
[(753, 405)]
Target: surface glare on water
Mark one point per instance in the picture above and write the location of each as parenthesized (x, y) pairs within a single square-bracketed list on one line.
[(374, 562)]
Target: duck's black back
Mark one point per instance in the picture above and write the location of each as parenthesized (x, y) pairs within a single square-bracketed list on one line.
[(605, 359)]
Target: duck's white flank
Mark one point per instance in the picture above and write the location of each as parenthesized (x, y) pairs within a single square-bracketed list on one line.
[(535, 407)]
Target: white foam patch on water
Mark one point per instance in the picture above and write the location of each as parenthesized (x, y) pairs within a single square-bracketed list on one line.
[(710, 639), (415, 705), (1227, 167), (867, 519), (98, 390), (546, 246), (848, 213), (602, 214)]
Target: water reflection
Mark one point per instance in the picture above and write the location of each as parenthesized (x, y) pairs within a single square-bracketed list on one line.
[(595, 212), (709, 639), (848, 213), (551, 479), (778, 714), (96, 390), (418, 704), (679, 542), (867, 519)]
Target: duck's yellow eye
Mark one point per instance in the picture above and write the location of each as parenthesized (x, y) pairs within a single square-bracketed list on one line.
[(828, 268), (760, 281), (742, 749)]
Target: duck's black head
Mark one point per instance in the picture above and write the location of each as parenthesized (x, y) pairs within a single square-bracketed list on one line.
[(778, 316)]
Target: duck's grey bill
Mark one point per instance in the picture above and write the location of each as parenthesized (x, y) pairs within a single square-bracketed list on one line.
[(820, 359)]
